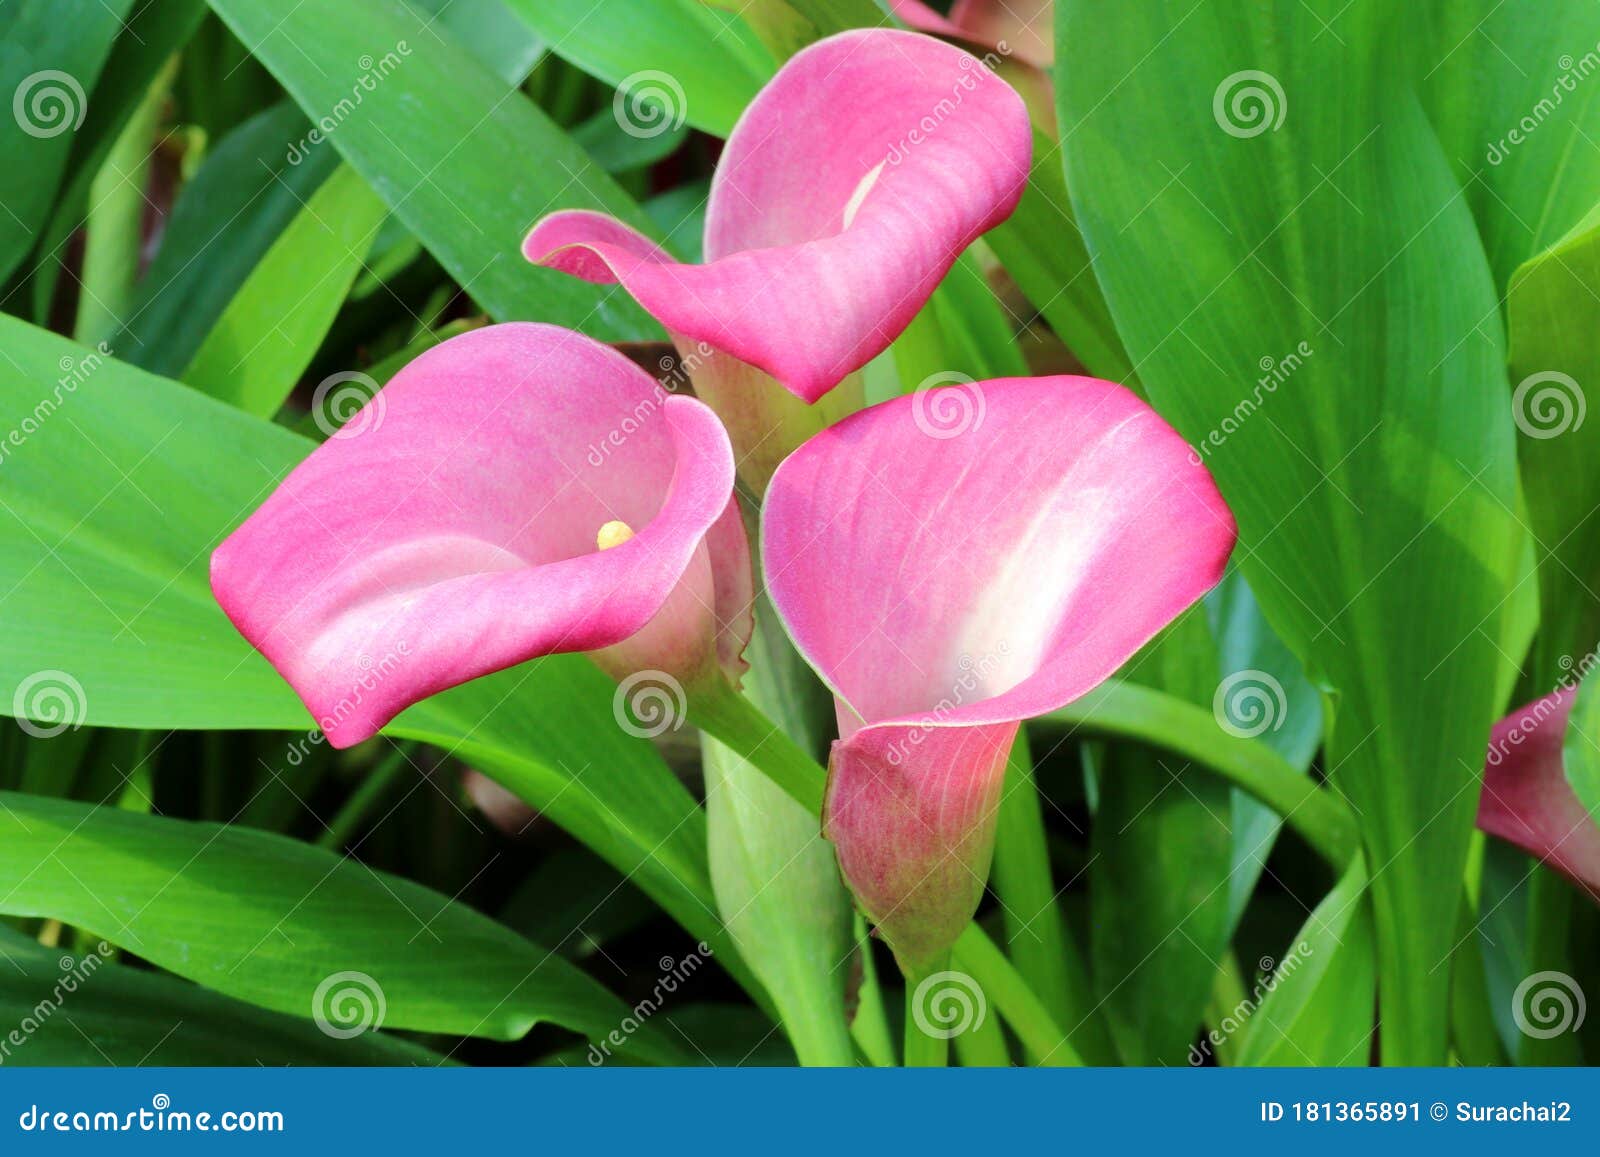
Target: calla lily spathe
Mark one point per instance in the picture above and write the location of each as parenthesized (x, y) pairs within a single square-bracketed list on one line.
[(457, 531), (949, 579), (1526, 799), (845, 193)]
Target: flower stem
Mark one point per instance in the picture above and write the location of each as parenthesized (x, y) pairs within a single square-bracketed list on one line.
[(741, 726), (925, 1049)]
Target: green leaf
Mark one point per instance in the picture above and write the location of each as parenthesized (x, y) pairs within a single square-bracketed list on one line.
[(80, 1010), (51, 54), (1043, 249), (684, 61), (1317, 1007), (458, 154), (226, 219), (1254, 658), (1158, 889), (1552, 313), (1373, 476), (107, 599), (270, 331), (776, 879), (288, 927), (152, 34), (1508, 83)]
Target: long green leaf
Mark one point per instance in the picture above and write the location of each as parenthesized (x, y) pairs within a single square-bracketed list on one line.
[(1373, 475), (290, 927), (79, 1010), (457, 153)]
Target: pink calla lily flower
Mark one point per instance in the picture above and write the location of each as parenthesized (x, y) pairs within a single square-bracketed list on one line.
[(517, 491), (846, 191), (950, 579), (1019, 27), (1526, 798)]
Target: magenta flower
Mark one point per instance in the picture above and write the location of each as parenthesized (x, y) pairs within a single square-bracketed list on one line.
[(1526, 798), (845, 193), (948, 579), (517, 491)]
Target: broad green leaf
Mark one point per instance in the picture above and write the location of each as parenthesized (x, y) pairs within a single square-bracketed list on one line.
[(77, 1009), (1509, 85), (457, 153), (1159, 884), (51, 54), (1552, 312), (489, 30), (105, 535), (672, 61), (244, 196), (270, 331), (289, 927), (618, 150), (1316, 1009), (1373, 475)]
